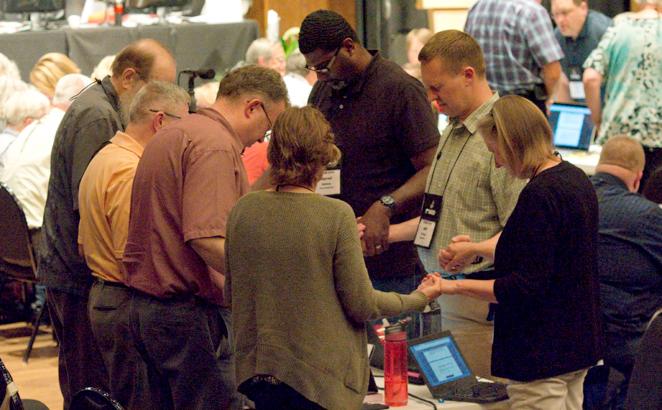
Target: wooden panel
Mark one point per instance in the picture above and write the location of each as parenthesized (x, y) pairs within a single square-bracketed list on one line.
[(346, 8)]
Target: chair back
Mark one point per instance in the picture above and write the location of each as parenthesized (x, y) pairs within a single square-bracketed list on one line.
[(91, 398), (16, 252)]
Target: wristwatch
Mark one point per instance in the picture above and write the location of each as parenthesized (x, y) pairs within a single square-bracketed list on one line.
[(388, 201)]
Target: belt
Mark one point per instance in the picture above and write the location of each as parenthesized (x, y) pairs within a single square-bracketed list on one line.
[(111, 283)]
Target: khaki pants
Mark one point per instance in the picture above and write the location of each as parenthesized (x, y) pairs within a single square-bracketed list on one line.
[(564, 392)]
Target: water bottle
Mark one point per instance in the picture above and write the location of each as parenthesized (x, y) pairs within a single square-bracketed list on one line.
[(395, 365), (118, 9)]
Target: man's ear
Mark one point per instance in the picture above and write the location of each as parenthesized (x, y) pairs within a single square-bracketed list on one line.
[(157, 121), (129, 77), (250, 106), (637, 181)]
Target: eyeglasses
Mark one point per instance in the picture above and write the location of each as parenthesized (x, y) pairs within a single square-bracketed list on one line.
[(325, 67), (177, 117), (267, 133)]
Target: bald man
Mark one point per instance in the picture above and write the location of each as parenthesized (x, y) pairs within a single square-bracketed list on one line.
[(93, 118), (629, 256)]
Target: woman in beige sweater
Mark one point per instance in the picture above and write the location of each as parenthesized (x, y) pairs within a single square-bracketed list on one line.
[(297, 281)]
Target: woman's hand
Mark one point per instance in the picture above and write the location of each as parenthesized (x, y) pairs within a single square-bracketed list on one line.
[(460, 253), (431, 286)]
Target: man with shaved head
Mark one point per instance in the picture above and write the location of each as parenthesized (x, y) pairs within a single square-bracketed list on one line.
[(93, 118)]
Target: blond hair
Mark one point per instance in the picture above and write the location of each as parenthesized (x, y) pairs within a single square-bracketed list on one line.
[(624, 152), (301, 146), (455, 48), (522, 133), (49, 69)]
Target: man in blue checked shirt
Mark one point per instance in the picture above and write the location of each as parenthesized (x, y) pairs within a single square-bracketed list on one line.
[(521, 53)]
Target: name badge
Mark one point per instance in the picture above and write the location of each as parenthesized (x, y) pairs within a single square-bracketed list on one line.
[(430, 215), (576, 86), (330, 182)]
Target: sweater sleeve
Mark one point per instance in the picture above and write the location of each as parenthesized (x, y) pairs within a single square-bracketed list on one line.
[(532, 242), (358, 298)]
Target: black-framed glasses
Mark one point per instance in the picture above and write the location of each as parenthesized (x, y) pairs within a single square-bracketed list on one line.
[(267, 133), (325, 68), (177, 117)]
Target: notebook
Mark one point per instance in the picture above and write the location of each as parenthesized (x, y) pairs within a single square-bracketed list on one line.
[(571, 125), (447, 374)]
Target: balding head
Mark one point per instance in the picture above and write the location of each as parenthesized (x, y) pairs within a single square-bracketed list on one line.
[(148, 58), (624, 158)]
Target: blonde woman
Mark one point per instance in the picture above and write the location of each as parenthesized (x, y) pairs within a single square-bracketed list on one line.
[(547, 326), (49, 69), (297, 281)]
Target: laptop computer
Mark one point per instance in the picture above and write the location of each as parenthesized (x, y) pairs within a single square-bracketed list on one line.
[(571, 125), (448, 375)]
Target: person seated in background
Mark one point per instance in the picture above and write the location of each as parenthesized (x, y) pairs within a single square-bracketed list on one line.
[(105, 201), (205, 94), (578, 31), (285, 297), (49, 69), (103, 68), (416, 39), (628, 62), (547, 330), (8, 87), (19, 110), (653, 189), (298, 80), (629, 259)]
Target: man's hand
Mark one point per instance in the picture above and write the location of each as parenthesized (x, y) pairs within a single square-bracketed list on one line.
[(460, 253), (431, 286), (375, 236)]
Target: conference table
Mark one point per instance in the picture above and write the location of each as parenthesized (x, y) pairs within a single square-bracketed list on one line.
[(194, 45)]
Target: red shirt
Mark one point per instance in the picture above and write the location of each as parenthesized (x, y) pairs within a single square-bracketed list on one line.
[(255, 160), (188, 179)]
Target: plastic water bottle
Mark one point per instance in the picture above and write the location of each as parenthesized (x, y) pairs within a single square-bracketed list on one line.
[(395, 365)]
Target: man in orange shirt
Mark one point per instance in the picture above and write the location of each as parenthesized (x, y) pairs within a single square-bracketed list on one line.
[(105, 202)]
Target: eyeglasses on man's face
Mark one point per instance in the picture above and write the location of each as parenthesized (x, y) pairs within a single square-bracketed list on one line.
[(267, 133), (324, 68), (167, 114)]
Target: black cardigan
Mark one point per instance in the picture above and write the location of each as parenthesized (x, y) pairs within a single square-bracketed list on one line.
[(548, 320)]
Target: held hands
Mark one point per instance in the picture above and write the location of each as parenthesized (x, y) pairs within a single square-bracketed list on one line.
[(434, 286), (460, 253), (373, 229)]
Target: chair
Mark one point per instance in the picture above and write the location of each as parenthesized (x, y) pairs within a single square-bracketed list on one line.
[(17, 259), (91, 398)]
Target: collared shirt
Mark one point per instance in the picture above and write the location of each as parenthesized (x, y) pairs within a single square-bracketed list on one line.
[(188, 179), (380, 120), (27, 167), (517, 40), (630, 256), (629, 58), (577, 50), (477, 197), (105, 201), (91, 120)]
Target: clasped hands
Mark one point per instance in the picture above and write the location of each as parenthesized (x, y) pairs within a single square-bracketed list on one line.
[(460, 253), (373, 228)]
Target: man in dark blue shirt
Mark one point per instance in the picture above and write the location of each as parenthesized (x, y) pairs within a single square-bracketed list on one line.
[(629, 252), (578, 32)]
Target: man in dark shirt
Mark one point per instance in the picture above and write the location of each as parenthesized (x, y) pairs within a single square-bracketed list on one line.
[(578, 32), (185, 185), (629, 250), (386, 131), (90, 122)]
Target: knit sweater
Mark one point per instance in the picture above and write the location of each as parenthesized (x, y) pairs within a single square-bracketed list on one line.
[(300, 295)]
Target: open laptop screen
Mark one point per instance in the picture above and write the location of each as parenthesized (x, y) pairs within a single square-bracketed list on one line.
[(571, 125), (440, 360)]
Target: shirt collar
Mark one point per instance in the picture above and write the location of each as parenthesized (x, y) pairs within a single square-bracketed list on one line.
[(471, 122), (610, 179), (111, 93), (124, 140), (218, 117), (355, 85)]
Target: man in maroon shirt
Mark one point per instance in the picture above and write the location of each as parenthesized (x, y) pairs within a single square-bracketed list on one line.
[(187, 181)]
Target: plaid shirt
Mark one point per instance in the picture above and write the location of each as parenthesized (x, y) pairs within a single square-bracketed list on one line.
[(477, 197), (517, 39)]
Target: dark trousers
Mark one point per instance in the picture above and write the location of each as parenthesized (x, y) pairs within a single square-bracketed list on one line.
[(280, 397), (79, 360), (653, 162), (130, 381), (187, 344)]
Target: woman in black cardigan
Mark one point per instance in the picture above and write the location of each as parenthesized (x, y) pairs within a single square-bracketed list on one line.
[(547, 324)]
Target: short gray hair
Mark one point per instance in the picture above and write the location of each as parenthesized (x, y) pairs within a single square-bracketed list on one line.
[(296, 63), (8, 67), (68, 86), (262, 47), (8, 87), (28, 103), (159, 95)]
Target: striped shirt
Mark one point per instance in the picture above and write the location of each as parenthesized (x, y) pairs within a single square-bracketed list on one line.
[(517, 40)]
